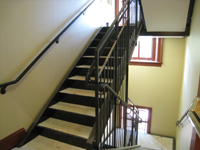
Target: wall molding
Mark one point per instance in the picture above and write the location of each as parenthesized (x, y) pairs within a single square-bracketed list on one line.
[(12, 140)]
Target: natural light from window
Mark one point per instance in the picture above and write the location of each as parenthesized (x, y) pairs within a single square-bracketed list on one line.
[(143, 48), (148, 51), (144, 114)]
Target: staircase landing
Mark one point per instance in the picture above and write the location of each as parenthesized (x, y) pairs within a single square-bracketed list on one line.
[(43, 143)]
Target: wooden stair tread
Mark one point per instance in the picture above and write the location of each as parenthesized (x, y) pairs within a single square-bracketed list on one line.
[(81, 92), (44, 143), (80, 109), (82, 78), (67, 127)]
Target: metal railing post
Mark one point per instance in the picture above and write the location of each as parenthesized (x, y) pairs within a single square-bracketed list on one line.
[(116, 78), (127, 65), (97, 100), (136, 18)]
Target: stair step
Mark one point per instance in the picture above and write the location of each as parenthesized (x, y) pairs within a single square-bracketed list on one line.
[(104, 48), (88, 66), (82, 78), (67, 127), (81, 92), (84, 110), (91, 56), (43, 143)]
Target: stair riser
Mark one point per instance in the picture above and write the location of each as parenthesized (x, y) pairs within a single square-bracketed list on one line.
[(89, 61), (73, 117), (77, 84), (34, 133), (91, 52), (97, 41), (63, 137), (83, 71), (101, 34), (81, 100)]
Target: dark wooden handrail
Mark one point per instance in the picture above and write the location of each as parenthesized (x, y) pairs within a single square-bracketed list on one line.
[(55, 40)]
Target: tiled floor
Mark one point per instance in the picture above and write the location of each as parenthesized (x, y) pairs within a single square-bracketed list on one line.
[(155, 142), (43, 143)]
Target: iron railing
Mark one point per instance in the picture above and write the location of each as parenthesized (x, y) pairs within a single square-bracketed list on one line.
[(55, 40), (111, 81)]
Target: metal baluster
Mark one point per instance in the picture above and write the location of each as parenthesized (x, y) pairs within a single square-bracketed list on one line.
[(97, 99)]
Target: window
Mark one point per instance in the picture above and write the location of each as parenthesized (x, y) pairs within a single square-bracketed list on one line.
[(148, 52), (145, 114), (122, 115)]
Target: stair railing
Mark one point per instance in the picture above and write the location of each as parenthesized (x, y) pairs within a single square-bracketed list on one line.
[(111, 80), (55, 40), (118, 134)]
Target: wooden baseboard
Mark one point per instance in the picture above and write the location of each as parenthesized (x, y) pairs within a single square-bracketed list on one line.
[(12, 140)]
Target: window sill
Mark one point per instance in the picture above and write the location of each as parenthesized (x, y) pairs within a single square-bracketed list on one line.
[(146, 63)]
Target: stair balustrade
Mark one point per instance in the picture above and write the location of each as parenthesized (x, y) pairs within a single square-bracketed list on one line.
[(111, 82)]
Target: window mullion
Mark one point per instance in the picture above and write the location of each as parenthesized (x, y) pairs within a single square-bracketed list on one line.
[(153, 49)]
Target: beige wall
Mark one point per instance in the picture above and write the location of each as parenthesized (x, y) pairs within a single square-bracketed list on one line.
[(160, 87), (190, 79), (28, 26)]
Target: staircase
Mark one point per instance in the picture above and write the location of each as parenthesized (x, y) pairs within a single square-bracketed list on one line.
[(82, 113), (70, 116)]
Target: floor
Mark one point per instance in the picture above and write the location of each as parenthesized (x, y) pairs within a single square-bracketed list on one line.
[(43, 143), (155, 142)]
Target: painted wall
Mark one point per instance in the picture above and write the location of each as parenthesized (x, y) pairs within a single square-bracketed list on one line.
[(190, 79), (160, 87), (26, 27)]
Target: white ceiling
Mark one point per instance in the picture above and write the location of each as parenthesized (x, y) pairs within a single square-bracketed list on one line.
[(165, 15)]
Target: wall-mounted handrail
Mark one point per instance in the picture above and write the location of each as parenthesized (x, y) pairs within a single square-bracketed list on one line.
[(192, 114), (186, 112), (55, 40)]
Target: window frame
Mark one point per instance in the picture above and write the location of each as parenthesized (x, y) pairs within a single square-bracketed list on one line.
[(154, 61)]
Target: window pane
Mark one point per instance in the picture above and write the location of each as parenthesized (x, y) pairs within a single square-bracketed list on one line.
[(143, 113), (135, 52), (142, 127), (145, 47)]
